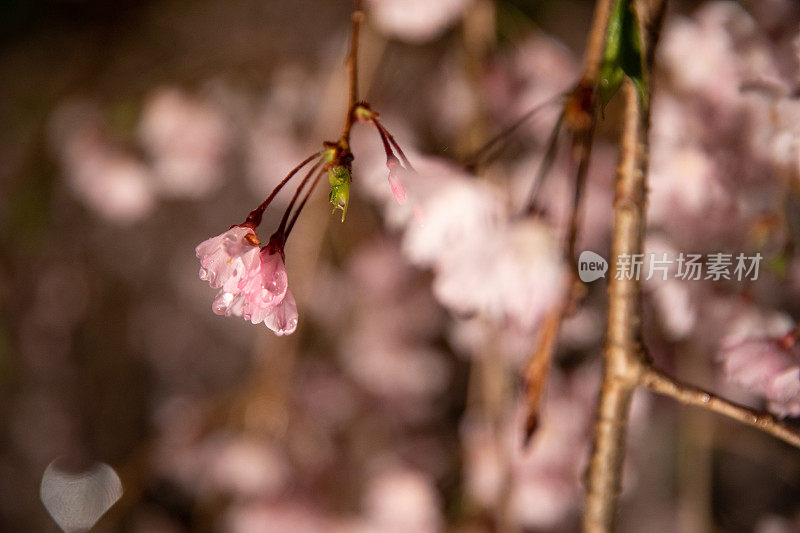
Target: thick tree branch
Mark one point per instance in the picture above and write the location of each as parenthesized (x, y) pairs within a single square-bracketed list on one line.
[(624, 358), (626, 365)]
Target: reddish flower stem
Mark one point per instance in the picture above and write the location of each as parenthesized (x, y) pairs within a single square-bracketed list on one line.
[(545, 166), (296, 195), (254, 218), (303, 203), (384, 131), (391, 159)]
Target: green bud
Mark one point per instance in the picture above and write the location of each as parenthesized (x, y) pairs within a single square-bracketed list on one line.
[(339, 178)]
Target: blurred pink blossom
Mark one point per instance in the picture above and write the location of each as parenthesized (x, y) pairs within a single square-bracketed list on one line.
[(516, 274), (400, 500), (187, 141), (416, 20), (276, 517), (108, 179), (242, 467), (768, 367)]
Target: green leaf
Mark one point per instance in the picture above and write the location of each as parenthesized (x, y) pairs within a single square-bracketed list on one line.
[(623, 54)]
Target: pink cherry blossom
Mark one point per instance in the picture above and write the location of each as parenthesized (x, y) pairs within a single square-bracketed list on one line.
[(253, 283), (187, 140), (768, 367), (227, 258), (264, 287), (516, 274)]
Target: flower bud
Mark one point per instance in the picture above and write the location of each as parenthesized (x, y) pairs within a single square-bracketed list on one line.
[(339, 178)]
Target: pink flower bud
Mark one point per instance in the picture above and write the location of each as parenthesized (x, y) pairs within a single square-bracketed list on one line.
[(398, 189)]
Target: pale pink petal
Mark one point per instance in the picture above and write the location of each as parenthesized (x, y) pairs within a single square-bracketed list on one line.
[(398, 189), (264, 287), (225, 256), (282, 319)]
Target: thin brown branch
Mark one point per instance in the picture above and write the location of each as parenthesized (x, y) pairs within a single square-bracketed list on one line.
[(487, 153), (296, 195), (581, 152), (626, 366), (689, 395), (300, 207), (254, 218), (352, 66), (544, 167), (624, 358), (537, 370), (593, 57)]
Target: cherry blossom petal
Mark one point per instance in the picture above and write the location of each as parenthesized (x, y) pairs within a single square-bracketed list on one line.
[(282, 318)]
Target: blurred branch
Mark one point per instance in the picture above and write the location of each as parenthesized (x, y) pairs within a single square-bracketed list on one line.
[(537, 370), (487, 153), (578, 117), (659, 382), (593, 57)]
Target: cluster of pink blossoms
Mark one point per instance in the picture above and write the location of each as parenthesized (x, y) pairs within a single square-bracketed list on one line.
[(252, 280)]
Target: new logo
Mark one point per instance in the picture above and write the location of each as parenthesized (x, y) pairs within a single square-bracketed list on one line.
[(591, 266)]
